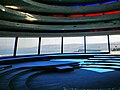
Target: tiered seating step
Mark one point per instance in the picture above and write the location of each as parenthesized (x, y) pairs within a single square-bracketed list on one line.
[(112, 61), (100, 66), (105, 64), (94, 61), (3, 67), (104, 58), (42, 64), (65, 68)]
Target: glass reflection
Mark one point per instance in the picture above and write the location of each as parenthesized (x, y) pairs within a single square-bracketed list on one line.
[(27, 46), (96, 44), (73, 44), (6, 46), (50, 45)]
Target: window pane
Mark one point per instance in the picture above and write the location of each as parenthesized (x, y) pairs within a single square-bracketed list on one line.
[(96, 44), (73, 44), (6, 46), (50, 45), (27, 46), (115, 44)]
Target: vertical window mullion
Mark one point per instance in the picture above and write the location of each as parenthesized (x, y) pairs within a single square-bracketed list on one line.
[(108, 43), (84, 44), (15, 46), (39, 45), (62, 45)]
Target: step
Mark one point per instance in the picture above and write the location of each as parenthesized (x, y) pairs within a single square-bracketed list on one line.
[(6, 77), (112, 61), (101, 66), (103, 58), (106, 64), (43, 64), (12, 69), (64, 68), (107, 56), (94, 61), (32, 76), (3, 67), (18, 82)]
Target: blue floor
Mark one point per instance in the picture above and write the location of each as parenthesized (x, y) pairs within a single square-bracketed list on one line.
[(92, 75)]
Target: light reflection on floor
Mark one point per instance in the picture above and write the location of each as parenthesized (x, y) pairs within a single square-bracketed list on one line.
[(99, 70)]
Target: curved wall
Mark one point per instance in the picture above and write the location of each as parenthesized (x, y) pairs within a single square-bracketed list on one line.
[(40, 19)]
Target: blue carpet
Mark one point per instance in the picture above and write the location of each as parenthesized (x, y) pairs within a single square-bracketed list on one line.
[(76, 80)]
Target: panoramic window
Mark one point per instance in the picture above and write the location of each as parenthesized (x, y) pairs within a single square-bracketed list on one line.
[(96, 44), (73, 45), (115, 44), (27, 46), (6, 46), (50, 45)]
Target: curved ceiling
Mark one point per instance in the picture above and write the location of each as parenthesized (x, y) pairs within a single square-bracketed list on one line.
[(72, 1), (43, 18), (35, 7)]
